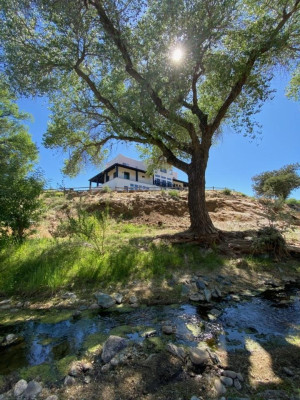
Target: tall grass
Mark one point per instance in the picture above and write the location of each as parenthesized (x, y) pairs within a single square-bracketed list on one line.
[(48, 265)]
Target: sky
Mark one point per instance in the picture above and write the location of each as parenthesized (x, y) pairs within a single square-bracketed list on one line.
[(233, 161)]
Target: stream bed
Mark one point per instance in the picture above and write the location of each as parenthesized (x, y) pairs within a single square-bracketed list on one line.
[(273, 315)]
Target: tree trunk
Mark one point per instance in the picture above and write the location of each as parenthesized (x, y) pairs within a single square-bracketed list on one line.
[(201, 223)]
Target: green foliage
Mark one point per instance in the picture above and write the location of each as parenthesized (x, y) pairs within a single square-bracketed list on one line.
[(106, 189), (278, 183), (226, 191), (270, 240), (91, 228), (20, 203), (293, 202), (173, 193)]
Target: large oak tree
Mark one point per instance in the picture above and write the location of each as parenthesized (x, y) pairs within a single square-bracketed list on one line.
[(165, 74)]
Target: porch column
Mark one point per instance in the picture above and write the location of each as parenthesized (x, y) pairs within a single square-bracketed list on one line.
[(117, 171), (136, 176)]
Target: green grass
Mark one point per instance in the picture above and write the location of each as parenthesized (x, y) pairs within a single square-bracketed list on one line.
[(48, 265)]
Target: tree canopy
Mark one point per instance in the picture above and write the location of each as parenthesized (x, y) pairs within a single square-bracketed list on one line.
[(19, 186), (278, 183), (164, 74)]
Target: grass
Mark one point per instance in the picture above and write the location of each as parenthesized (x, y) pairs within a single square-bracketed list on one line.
[(44, 266)]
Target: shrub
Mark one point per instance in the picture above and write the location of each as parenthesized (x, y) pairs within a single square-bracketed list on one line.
[(270, 240), (174, 194), (293, 202), (106, 189), (226, 191)]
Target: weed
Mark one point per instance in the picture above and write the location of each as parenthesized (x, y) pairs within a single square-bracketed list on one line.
[(106, 189), (173, 193), (269, 240), (226, 191)]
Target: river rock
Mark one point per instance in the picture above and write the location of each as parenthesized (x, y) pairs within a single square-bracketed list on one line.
[(69, 295), (207, 295), (237, 384), (273, 394), (94, 306), (52, 397), (196, 297), (240, 377), (19, 387), (226, 380), (220, 388), (87, 367), (230, 374), (176, 351), (11, 339), (33, 389), (69, 380), (287, 371), (200, 284), (75, 370), (111, 347), (119, 298), (87, 379), (105, 300), (133, 299), (198, 356), (168, 329)]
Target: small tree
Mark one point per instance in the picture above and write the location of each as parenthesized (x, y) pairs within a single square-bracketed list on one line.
[(278, 183), (20, 189)]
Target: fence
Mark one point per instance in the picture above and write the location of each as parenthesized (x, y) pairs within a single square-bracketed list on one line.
[(65, 190)]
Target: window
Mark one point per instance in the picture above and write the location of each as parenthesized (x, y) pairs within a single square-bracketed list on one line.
[(163, 170), (115, 174), (157, 176), (126, 175), (107, 178)]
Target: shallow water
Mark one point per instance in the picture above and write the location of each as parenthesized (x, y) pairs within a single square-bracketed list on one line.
[(274, 314)]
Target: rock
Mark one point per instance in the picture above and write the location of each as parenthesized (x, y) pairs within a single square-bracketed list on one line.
[(105, 368), (176, 351), (195, 398), (133, 299), (111, 347), (86, 367), (94, 306), (19, 387), (241, 263), (52, 397), (69, 380), (220, 388), (119, 298), (114, 362), (226, 380), (287, 371), (200, 285), (168, 329), (5, 302), (75, 370), (207, 295), (198, 357), (76, 314), (240, 377), (184, 290), (26, 304), (69, 295), (196, 297), (87, 379), (5, 307), (149, 333), (237, 384), (11, 339), (105, 300), (230, 374), (33, 389)]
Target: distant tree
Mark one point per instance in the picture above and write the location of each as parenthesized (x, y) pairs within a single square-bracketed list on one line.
[(278, 183), (168, 75), (20, 187)]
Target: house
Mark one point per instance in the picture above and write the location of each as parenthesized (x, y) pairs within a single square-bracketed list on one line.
[(129, 174)]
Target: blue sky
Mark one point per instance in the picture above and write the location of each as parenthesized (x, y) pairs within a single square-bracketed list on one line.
[(233, 161)]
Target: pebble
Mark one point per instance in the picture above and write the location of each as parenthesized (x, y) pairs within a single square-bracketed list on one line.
[(105, 368), (87, 367), (94, 306), (196, 297), (207, 295), (240, 377), (19, 387), (133, 299), (52, 397), (287, 371), (220, 388), (87, 379)]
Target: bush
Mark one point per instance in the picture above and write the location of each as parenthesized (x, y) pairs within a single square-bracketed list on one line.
[(293, 202), (106, 189), (226, 191), (270, 240), (173, 193)]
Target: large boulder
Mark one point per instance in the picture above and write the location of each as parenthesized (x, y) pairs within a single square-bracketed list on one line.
[(112, 346)]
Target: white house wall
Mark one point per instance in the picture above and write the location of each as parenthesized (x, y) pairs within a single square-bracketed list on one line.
[(121, 183)]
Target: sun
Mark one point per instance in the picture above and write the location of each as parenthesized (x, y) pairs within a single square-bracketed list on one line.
[(177, 54)]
